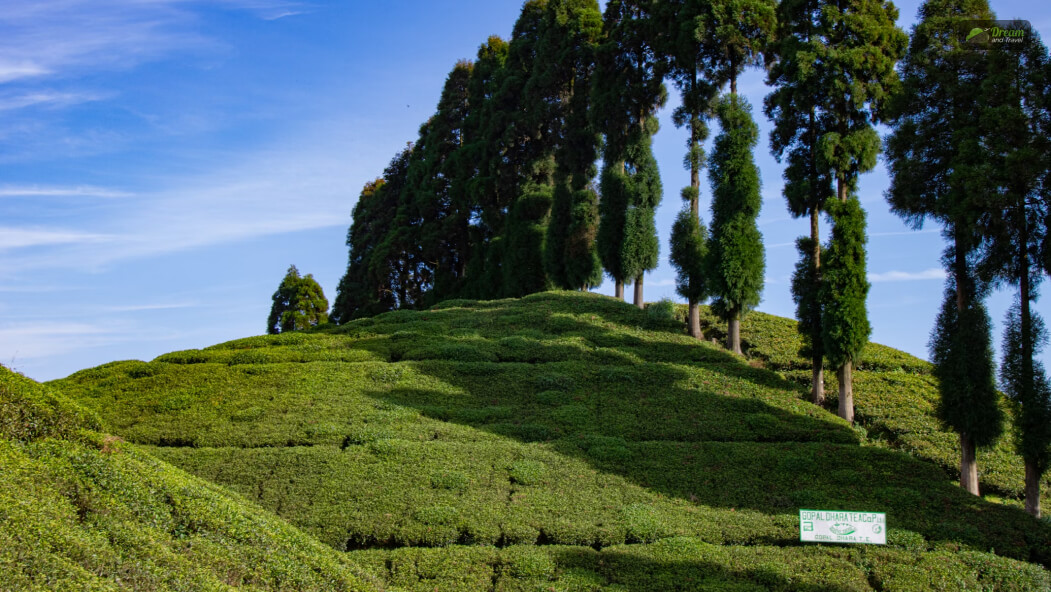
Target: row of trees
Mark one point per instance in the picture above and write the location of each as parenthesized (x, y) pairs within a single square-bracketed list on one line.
[(970, 150), (498, 198)]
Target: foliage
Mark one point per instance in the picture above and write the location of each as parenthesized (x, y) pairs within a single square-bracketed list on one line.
[(806, 292), (845, 286), (87, 511), (560, 418), (735, 248), (689, 252), (1026, 383), (299, 303)]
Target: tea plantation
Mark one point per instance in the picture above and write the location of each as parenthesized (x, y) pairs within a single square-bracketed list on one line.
[(562, 441)]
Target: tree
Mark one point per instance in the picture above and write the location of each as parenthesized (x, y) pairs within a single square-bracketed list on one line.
[(1025, 382), (793, 72), (844, 288), (681, 28), (626, 92), (961, 350), (856, 46), (735, 251), (298, 304), (937, 158), (1016, 110), (568, 59), (640, 250)]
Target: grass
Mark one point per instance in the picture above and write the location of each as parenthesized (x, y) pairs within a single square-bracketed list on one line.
[(569, 441), (80, 510)]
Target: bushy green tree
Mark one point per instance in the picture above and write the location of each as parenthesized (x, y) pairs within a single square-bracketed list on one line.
[(844, 289), (679, 28), (1017, 132), (299, 303), (794, 72), (736, 259), (626, 91), (856, 47), (961, 350), (640, 250), (806, 292), (572, 38), (936, 157)]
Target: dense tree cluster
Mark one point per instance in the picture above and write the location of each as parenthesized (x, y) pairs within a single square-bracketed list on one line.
[(970, 150), (501, 196)]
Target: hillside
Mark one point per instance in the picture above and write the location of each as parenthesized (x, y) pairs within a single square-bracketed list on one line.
[(80, 510), (568, 441)]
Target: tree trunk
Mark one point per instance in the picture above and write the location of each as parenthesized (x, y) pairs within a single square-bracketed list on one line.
[(817, 379), (846, 391), (638, 292), (841, 187), (733, 333), (817, 389), (1032, 489), (695, 321), (618, 289), (968, 465)]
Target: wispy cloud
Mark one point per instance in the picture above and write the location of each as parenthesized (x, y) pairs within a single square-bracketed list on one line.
[(149, 307), (933, 273), (45, 98), (662, 283), (44, 191), (17, 238)]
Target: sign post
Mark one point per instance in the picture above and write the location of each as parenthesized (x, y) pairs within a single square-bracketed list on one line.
[(833, 526)]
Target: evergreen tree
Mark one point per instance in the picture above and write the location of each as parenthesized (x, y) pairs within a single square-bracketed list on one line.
[(439, 199), (856, 45), (490, 189), (680, 27), (735, 247), (844, 288), (806, 292), (627, 90), (298, 304), (640, 250), (367, 289), (567, 56), (1017, 126), (936, 157), (961, 350), (689, 251), (793, 72), (1024, 380)]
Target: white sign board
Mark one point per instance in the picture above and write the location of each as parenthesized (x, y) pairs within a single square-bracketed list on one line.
[(833, 526)]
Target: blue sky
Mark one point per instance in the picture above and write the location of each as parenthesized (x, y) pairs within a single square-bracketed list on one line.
[(162, 162)]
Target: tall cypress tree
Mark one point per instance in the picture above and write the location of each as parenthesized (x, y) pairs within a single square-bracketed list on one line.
[(627, 90), (640, 251), (680, 27), (793, 72), (735, 247), (857, 47), (438, 194), (490, 189), (298, 304), (844, 289), (936, 157), (1017, 108), (567, 61), (738, 32)]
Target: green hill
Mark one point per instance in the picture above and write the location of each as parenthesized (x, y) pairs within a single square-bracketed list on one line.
[(569, 441), (80, 510)]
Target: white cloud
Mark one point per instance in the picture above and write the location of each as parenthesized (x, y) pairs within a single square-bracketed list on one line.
[(15, 70), (47, 98), (663, 283), (933, 273), (17, 238), (149, 307), (44, 191)]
